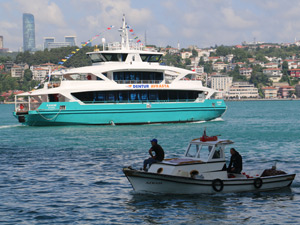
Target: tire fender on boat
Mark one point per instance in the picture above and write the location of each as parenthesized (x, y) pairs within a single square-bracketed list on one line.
[(258, 182), (217, 185)]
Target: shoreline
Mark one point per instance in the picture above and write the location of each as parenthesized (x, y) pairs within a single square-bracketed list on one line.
[(262, 99)]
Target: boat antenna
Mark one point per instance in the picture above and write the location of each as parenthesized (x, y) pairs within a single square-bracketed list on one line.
[(124, 35)]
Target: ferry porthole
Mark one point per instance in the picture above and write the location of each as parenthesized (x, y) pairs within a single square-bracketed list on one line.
[(159, 170), (258, 183), (194, 173), (217, 185)]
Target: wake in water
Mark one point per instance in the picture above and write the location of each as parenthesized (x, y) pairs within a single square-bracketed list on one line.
[(214, 120), (9, 126)]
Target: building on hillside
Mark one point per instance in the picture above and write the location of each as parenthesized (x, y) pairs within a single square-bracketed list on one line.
[(240, 90), (269, 92), (285, 91), (246, 72), (271, 65), (17, 70), (274, 74), (221, 83), (39, 72), (186, 55), (219, 66), (294, 73), (8, 65)]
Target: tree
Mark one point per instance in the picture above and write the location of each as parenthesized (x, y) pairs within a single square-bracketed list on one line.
[(194, 53)]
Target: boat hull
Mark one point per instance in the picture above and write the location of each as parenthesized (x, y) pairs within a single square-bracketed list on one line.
[(68, 113), (167, 184)]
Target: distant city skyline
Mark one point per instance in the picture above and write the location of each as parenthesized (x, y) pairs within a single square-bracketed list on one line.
[(203, 23)]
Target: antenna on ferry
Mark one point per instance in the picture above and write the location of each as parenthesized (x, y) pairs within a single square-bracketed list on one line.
[(103, 43), (125, 42)]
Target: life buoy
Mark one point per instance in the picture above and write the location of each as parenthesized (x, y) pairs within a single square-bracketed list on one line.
[(21, 106), (217, 185), (258, 182)]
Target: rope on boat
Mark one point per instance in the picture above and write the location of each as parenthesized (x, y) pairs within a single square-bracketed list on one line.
[(47, 118)]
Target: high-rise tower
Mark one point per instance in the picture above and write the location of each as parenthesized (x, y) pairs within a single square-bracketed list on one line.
[(28, 32)]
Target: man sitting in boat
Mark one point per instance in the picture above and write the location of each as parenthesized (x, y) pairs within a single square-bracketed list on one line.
[(236, 162), (159, 154)]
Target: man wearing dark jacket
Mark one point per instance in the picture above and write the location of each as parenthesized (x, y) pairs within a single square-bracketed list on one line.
[(236, 162), (159, 154)]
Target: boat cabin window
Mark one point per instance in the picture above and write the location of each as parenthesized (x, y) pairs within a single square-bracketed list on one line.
[(200, 151), (192, 151), (136, 96), (205, 152), (150, 57), (81, 76), (218, 153), (108, 57), (128, 77)]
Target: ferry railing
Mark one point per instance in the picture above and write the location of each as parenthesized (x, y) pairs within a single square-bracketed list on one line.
[(138, 81), (23, 104), (139, 101)]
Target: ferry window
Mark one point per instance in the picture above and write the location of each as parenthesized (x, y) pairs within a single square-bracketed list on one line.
[(111, 96), (123, 96), (138, 76), (154, 58), (153, 95), (193, 150), (144, 57), (96, 58), (150, 58), (144, 96), (101, 96)]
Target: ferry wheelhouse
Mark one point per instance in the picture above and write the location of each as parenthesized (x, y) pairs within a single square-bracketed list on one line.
[(124, 85)]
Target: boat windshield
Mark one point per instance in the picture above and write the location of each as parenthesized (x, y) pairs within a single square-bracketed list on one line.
[(108, 57), (200, 151), (150, 57)]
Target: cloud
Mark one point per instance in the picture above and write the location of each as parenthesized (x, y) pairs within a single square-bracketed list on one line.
[(233, 20), (44, 11)]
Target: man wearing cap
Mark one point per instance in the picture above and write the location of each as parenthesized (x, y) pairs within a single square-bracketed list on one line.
[(159, 154)]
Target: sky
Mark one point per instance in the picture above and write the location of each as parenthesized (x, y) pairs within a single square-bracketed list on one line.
[(203, 23)]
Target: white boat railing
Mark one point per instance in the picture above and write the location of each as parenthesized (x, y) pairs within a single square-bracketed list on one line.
[(138, 81)]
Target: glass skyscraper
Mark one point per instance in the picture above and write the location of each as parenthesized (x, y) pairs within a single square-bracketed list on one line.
[(28, 32)]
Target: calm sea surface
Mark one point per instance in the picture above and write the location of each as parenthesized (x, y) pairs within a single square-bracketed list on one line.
[(73, 174)]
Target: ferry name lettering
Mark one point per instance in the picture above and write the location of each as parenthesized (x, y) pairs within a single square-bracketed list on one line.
[(140, 86), (151, 182), (159, 86)]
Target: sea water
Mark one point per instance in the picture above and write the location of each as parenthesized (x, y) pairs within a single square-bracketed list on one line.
[(73, 174)]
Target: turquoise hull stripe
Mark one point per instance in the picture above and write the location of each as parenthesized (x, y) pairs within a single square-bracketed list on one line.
[(63, 113)]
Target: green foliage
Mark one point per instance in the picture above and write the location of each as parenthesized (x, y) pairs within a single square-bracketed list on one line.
[(241, 55), (173, 60), (223, 51), (208, 68), (56, 55), (194, 53)]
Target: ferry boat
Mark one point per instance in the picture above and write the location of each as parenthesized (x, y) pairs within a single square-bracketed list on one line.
[(124, 85), (202, 170)]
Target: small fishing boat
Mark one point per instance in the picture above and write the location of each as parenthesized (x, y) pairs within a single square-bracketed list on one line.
[(202, 170)]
